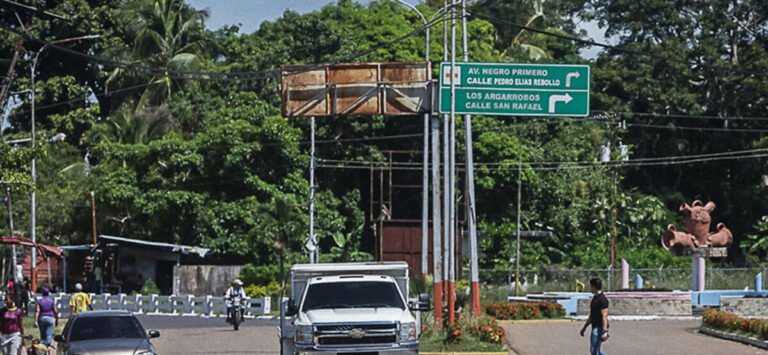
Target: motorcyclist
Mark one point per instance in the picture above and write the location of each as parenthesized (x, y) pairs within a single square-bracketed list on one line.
[(233, 291)]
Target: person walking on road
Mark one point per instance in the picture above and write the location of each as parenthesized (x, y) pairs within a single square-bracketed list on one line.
[(80, 302), (46, 316), (24, 297), (11, 326), (598, 318)]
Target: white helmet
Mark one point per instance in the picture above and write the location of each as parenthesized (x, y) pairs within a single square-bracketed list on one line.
[(237, 282)]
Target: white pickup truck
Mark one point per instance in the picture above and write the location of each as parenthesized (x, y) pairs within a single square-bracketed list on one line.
[(350, 308)]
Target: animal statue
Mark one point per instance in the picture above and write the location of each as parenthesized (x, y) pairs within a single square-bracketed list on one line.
[(697, 222)]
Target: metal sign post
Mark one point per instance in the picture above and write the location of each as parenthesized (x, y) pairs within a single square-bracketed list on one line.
[(452, 176), (472, 212)]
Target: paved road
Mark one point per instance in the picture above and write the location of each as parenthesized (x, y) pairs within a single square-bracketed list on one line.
[(194, 335), (627, 337)]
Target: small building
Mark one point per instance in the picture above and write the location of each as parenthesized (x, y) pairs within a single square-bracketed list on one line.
[(123, 265), (48, 260)]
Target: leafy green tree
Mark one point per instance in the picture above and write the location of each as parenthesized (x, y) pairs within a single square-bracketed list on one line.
[(167, 35), (755, 244)]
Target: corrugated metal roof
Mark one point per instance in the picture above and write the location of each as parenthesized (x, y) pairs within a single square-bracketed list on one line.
[(184, 249)]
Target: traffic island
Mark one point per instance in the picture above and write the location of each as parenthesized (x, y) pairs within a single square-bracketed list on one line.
[(735, 337), (752, 331), (469, 334)]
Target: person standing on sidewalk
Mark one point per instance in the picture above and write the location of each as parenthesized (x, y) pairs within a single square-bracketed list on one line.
[(11, 327), (80, 302), (46, 316), (598, 318)]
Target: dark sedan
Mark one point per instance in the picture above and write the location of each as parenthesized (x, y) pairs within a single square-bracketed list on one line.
[(105, 333)]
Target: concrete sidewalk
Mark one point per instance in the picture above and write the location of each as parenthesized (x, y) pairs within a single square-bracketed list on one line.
[(660, 337)]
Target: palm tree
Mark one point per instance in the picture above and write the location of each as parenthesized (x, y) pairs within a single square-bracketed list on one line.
[(134, 128), (168, 35), (534, 52)]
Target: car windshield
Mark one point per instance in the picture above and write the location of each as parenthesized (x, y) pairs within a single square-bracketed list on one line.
[(352, 295), (94, 328)]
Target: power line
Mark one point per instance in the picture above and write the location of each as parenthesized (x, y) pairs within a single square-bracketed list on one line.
[(60, 103), (671, 115), (689, 128), (558, 165), (616, 48), (224, 76)]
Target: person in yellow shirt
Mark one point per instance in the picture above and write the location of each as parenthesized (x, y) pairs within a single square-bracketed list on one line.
[(80, 302)]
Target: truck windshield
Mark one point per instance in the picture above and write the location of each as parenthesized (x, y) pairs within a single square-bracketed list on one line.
[(352, 295)]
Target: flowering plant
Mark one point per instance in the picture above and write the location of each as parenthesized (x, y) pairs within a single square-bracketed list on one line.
[(453, 333), (524, 310), (729, 321)]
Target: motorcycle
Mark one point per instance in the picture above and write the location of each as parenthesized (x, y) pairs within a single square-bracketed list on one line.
[(38, 347), (237, 311)]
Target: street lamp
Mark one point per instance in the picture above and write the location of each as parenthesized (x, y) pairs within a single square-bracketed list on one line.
[(33, 221), (425, 169)]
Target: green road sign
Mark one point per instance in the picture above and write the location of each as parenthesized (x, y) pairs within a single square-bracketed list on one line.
[(516, 89)]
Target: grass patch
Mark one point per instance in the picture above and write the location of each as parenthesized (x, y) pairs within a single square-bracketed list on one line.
[(29, 330), (435, 342)]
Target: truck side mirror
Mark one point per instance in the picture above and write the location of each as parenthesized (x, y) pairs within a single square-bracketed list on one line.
[(421, 304), (424, 302), (291, 310)]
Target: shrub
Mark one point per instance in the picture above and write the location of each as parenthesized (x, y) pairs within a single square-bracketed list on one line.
[(150, 288), (729, 321), (551, 310), (453, 333), (486, 329), (523, 310), (764, 329)]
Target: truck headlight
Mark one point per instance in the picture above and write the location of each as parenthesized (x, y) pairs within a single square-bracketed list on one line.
[(408, 331), (304, 334)]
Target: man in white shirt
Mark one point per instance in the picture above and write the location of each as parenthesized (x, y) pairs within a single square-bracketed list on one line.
[(236, 290)]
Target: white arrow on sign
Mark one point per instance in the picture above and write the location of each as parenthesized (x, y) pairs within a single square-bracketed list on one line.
[(558, 98), (568, 78)]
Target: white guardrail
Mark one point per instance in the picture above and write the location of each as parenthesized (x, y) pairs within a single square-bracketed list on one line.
[(205, 306)]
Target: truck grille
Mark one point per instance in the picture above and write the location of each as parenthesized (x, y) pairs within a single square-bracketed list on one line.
[(353, 334), (344, 341)]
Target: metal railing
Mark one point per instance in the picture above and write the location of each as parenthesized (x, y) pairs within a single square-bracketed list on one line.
[(205, 306), (501, 282)]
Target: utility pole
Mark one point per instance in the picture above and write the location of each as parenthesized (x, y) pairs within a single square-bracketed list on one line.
[(93, 218), (312, 242), (446, 177), (436, 235), (33, 221), (10, 230), (425, 168), (519, 210)]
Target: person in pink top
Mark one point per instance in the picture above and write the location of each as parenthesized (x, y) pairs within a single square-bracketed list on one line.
[(11, 327)]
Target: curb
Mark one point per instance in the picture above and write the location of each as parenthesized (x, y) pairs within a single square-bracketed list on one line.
[(534, 321), (640, 318), (465, 353), (733, 337)]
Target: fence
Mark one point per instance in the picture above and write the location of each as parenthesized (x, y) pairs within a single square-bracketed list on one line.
[(500, 283), (206, 306)]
